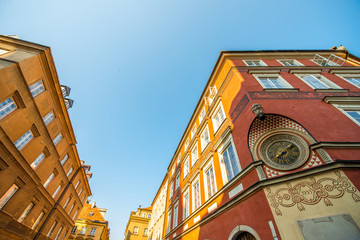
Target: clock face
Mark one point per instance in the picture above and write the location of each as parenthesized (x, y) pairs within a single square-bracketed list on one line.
[(284, 151)]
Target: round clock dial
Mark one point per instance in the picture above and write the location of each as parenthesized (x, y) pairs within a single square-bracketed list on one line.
[(284, 151)]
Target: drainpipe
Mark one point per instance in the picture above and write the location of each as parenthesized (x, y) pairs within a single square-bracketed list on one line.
[(57, 203)]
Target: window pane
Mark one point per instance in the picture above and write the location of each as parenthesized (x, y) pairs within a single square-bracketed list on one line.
[(355, 115), (210, 179), (23, 140), (6, 107), (9, 193), (57, 139), (38, 160), (26, 212), (315, 82), (36, 88), (231, 165), (354, 80), (48, 118)]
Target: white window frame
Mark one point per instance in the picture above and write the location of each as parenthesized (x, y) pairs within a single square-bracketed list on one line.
[(77, 210), (69, 172), (7, 106), (57, 139), (207, 167), (24, 140), (136, 230), (186, 144), (262, 64), (321, 78), (83, 231), (146, 232), (176, 214), (297, 63), (58, 233), (218, 109), (193, 131), (171, 189), (222, 148), (277, 76), (186, 210), (37, 161), (177, 180), (168, 227), (344, 76), (37, 88), (49, 118), (67, 202), (194, 158), (202, 115), (194, 183), (344, 108), (77, 184), (92, 231), (203, 143), (186, 166), (72, 207)]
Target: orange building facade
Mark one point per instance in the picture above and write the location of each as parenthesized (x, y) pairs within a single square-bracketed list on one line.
[(91, 224), (44, 184), (137, 227), (271, 150)]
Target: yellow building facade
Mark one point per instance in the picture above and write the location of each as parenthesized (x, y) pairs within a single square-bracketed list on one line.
[(91, 224), (137, 227)]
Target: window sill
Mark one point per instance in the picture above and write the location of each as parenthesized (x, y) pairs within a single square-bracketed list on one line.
[(281, 89), (331, 90)]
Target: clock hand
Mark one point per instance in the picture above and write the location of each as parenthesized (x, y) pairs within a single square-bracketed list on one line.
[(284, 150)]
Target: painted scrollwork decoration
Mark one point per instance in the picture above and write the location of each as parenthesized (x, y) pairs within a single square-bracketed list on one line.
[(311, 192)]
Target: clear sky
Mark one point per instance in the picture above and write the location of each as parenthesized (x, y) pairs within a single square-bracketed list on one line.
[(137, 69)]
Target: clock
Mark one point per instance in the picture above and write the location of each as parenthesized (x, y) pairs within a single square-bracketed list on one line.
[(284, 151)]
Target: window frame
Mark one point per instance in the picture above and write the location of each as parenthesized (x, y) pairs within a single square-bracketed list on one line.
[(186, 213), (7, 108), (344, 108), (177, 180), (202, 142), (23, 141), (57, 139), (194, 204), (48, 118), (92, 231), (195, 146), (298, 64), (354, 75), (219, 108), (38, 160), (321, 78), (175, 214), (186, 166), (37, 93), (273, 75), (207, 167), (262, 64)]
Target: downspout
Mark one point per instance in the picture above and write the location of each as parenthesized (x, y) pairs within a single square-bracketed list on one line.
[(57, 203)]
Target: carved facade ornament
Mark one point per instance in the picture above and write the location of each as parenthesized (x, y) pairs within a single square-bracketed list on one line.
[(258, 110), (311, 192)]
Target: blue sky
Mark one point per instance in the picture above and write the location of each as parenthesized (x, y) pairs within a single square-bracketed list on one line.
[(137, 69)]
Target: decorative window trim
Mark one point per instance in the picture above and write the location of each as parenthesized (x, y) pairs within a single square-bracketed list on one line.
[(195, 182), (280, 78), (193, 161), (298, 64), (323, 79), (209, 164), (203, 147), (213, 113)]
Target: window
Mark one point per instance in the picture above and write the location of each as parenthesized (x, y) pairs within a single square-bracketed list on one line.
[(56, 191), (91, 214), (346, 106), (37, 161), (67, 202), (3, 51), (205, 138), (65, 158), (92, 232), (290, 63), (6, 107), (178, 160), (23, 140), (63, 238), (210, 183), (175, 220), (8, 195), (82, 199), (49, 180), (73, 231), (80, 191), (171, 189), (48, 118), (83, 230), (168, 228), (144, 215), (186, 166), (77, 184), (218, 117), (186, 144), (26, 212), (57, 139), (317, 81), (186, 204), (69, 172), (149, 215), (37, 221), (71, 208), (272, 81), (73, 218), (202, 115), (58, 233), (36, 88), (231, 163), (254, 63), (354, 79), (197, 197), (194, 155), (145, 232), (193, 131), (136, 230), (52, 229), (177, 183)]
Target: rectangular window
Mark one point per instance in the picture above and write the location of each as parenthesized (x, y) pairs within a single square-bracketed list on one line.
[(36, 88), (354, 79), (205, 138), (186, 167), (290, 63), (168, 228), (50, 178), (144, 215), (37, 221), (8, 195), (177, 184), (80, 191), (58, 233), (254, 63), (71, 208), (218, 118), (23, 140), (197, 197), (317, 81), (193, 131), (202, 115), (178, 160), (77, 184), (6, 107), (145, 232), (48, 118), (37, 161), (186, 144), (82, 199), (73, 231), (69, 172), (26, 212), (83, 230), (136, 230), (231, 163), (92, 232), (272, 82), (149, 215), (171, 189), (210, 182), (186, 205), (52, 229), (175, 220), (194, 155), (57, 139), (56, 191), (73, 218), (355, 115), (67, 202), (65, 158)]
